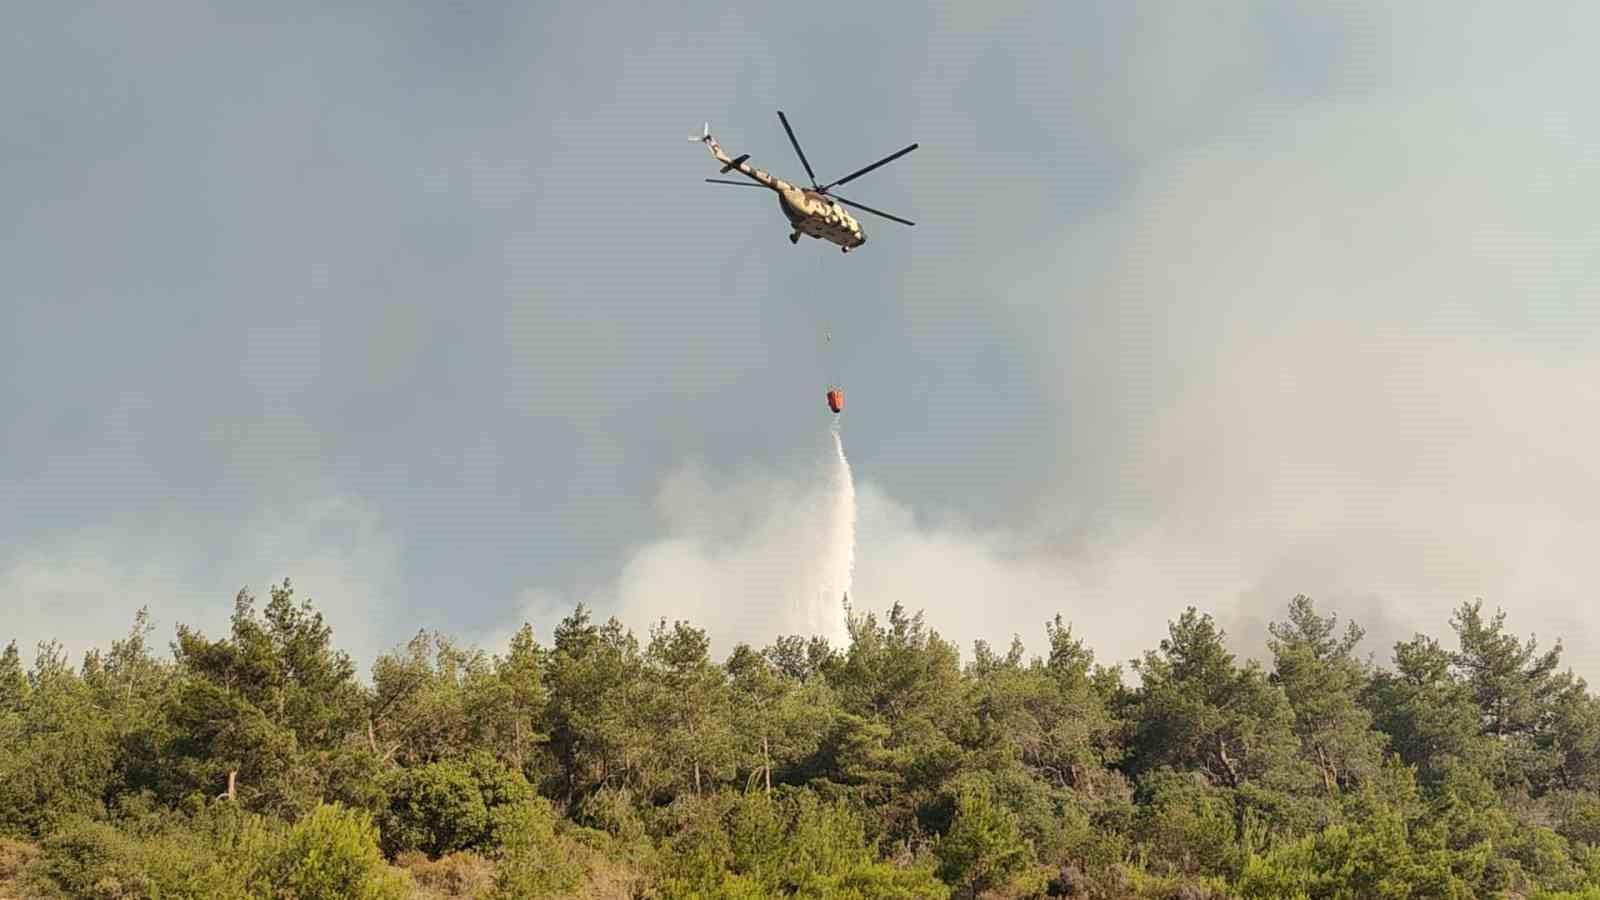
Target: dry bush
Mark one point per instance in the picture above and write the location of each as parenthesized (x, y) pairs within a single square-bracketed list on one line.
[(460, 874), (611, 880), (14, 857)]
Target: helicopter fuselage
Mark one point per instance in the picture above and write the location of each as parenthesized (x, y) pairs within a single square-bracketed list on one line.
[(816, 215), (809, 212)]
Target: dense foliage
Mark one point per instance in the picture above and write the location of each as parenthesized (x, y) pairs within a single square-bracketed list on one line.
[(260, 764)]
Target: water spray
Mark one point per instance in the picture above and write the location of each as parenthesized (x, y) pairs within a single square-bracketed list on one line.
[(840, 558)]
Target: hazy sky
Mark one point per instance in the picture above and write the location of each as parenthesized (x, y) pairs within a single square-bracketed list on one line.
[(427, 308)]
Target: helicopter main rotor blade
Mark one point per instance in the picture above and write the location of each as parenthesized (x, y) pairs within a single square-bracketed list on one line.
[(860, 172), (735, 183), (876, 212), (798, 152)]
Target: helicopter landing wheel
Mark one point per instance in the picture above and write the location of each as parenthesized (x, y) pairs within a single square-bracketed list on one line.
[(844, 249)]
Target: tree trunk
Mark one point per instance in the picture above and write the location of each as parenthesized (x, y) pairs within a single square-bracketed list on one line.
[(766, 763), (1327, 771), (697, 778), (1080, 780), (230, 793), (1227, 764)]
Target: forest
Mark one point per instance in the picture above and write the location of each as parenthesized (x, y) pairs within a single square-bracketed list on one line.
[(598, 763)]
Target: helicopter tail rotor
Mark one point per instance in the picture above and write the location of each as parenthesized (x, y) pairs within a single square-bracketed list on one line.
[(705, 133)]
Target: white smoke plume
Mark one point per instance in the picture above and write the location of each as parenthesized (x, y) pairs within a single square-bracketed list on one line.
[(746, 556)]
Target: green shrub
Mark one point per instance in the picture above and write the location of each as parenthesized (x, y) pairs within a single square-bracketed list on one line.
[(220, 854), (1186, 826), (87, 859), (700, 850), (984, 848), (213, 854), (1578, 816), (436, 808), (881, 881), (1372, 858), (444, 807), (532, 861), (331, 853), (1140, 885), (611, 810)]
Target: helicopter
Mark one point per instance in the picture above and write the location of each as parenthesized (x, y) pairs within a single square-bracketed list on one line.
[(815, 211)]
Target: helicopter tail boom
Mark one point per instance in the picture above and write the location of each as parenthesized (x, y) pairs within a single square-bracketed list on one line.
[(739, 164)]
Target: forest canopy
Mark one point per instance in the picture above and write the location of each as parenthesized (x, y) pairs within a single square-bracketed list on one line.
[(601, 763)]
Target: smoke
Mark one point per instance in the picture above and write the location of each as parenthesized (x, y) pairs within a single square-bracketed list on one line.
[(338, 550), (748, 556)]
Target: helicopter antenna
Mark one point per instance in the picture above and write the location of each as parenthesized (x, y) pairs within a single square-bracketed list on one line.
[(798, 152)]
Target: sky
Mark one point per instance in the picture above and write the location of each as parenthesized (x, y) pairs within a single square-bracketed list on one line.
[(427, 308)]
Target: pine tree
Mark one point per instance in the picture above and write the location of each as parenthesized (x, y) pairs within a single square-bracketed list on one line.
[(1323, 681), (689, 709), (1197, 710)]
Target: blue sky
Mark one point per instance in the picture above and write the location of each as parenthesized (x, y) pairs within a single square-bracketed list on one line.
[(428, 309)]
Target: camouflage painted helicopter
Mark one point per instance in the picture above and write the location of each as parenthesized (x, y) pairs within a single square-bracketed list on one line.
[(814, 211)]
